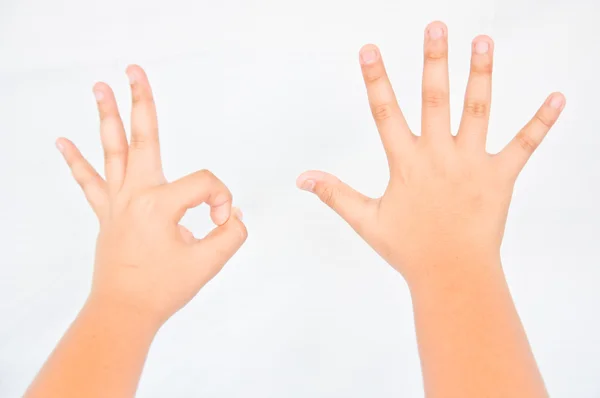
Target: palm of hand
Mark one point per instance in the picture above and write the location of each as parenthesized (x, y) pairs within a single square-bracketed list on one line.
[(446, 197)]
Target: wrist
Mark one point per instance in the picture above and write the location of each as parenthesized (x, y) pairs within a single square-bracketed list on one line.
[(114, 312), (454, 271)]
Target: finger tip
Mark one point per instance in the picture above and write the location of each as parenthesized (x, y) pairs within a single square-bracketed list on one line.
[(135, 69), (436, 29), (132, 68), (60, 144), (220, 216), (369, 54), (237, 213), (483, 37), (306, 183), (63, 141), (368, 47), (101, 88), (243, 231), (134, 73), (557, 100), (437, 24), (309, 179), (483, 41), (241, 227), (100, 85), (301, 178), (219, 220), (221, 213), (235, 223)]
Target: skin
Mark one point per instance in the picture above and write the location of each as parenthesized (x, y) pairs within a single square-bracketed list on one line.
[(147, 266), (441, 221)]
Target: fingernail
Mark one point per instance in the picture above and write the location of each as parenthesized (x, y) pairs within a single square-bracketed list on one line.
[(99, 95), (435, 32), (482, 47), (557, 101), (308, 185), (238, 213), (60, 147), (130, 76), (368, 56)]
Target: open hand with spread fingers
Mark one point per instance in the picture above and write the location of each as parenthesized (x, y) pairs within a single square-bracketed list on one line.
[(144, 258), (447, 197)]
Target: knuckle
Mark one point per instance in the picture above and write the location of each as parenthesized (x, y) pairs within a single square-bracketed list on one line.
[(220, 197), (482, 67), (108, 112), (104, 113), (544, 119), (476, 108), (436, 55), (144, 137), (142, 97), (328, 195), (382, 111), (434, 98), (526, 142), (138, 142), (113, 155), (373, 74), (205, 175)]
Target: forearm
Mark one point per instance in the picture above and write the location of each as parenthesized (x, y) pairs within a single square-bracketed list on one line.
[(101, 355), (471, 340)]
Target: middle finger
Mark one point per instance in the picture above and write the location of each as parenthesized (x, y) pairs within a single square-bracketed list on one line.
[(435, 118)]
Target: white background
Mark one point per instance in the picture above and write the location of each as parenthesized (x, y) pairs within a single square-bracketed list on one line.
[(258, 91)]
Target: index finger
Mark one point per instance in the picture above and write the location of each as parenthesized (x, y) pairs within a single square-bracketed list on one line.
[(144, 150), (393, 129), (519, 150), (195, 189)]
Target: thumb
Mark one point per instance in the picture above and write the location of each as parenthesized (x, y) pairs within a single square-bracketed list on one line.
[(216, 248), (350, 204)]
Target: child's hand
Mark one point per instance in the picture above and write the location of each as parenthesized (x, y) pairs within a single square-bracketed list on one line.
[(447, 197), (144, 258)]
